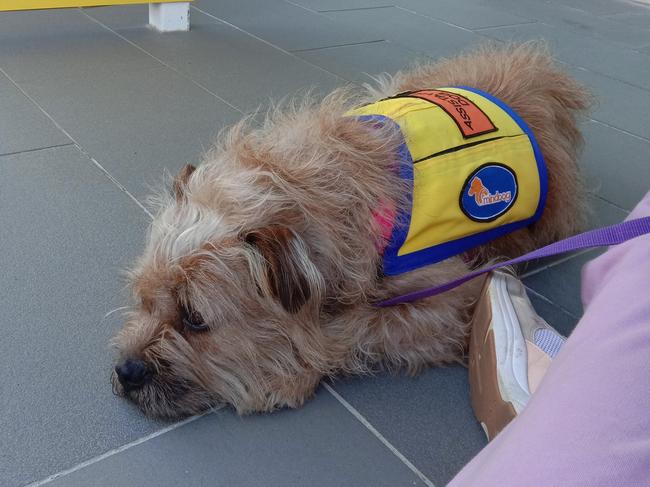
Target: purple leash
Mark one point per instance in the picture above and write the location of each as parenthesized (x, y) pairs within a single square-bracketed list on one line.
[(612, 235)]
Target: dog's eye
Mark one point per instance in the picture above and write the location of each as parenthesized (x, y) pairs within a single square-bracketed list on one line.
[(192, 320)]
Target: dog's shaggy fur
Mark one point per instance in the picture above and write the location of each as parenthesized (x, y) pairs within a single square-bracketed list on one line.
[(271, 243)]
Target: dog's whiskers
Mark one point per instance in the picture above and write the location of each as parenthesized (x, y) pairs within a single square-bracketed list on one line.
[(121, 308)]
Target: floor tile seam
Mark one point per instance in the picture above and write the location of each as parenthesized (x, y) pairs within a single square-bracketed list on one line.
[(487, 29), (352, 9), (323, 12), (303, 7), (479, 30), (15, 85), (532, 21), (574, 254), (615, 205), (636, 3), (355, 413), (36, 149), (69, 76), (382, 439), (549, 301), (617, 44), (373, 78), (421, 57), (77, 145), (467, 29), (619, 129), (608, 76), (163, 63), (334, 46), (115, 451), (268, 43), (615, 17), (446, 22), (408, 48), (638, 48), (554, 263), (604, 75)]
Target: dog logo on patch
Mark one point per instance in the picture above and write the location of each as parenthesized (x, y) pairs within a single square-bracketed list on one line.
[(478, 190), (489, 192)]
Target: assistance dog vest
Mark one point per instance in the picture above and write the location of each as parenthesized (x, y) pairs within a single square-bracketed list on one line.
[(474, 169)]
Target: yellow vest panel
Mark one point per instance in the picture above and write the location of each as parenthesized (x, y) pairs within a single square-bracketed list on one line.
[(474, 168)]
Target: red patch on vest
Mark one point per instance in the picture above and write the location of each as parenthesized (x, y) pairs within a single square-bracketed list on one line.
[(469, 118)]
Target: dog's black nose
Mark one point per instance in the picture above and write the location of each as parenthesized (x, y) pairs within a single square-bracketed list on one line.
[(133, 374)]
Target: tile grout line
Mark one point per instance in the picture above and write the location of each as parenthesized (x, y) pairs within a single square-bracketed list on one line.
[(157, 59), (417, 14), (609, 77), (303, 7), (555, 263), (351, 9), (578, 253), (352, 410), (478, 30), (467, 29), (315, 10), (55, 146), (552, 303), (615, 205), (225, 22), (270, 44), (618, 129), (334, 46), (414, 12), (76, 144), (606, 75), (117, 450), (574, 254), (549, 23), (484, 32)]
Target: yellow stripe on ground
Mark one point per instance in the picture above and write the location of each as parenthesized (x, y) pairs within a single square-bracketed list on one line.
[(6, 5)]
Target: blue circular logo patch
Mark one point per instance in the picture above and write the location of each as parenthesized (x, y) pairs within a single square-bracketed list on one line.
[(489, 192)]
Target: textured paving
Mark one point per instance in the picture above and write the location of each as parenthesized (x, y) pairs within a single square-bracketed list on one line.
[(94, 107)]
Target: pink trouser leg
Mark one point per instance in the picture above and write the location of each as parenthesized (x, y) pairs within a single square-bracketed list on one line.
[(589, 421)]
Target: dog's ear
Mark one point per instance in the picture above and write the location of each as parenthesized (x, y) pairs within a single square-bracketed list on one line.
[(181, 180), (291, 276)]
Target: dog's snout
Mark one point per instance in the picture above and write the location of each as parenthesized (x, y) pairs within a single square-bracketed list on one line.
[(132, 374)]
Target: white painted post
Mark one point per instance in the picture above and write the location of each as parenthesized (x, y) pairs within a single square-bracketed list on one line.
[(170, 17)]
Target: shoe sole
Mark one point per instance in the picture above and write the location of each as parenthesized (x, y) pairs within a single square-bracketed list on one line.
[(497, 359)]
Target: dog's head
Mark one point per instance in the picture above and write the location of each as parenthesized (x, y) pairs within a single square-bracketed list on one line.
[(224, 314), (245, 256)]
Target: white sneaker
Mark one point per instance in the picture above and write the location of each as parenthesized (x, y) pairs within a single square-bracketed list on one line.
[(511, 347)]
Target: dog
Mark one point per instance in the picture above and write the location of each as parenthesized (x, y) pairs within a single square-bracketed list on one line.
[(263, 265)]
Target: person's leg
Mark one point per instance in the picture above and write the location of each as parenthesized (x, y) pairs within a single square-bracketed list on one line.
[(588, 423)]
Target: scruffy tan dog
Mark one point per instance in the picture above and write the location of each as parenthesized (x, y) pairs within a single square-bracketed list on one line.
[(262, 265)]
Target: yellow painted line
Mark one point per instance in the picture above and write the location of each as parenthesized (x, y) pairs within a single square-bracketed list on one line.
[(6, 5)]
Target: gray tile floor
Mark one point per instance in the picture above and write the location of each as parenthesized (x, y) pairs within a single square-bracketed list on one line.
[(94, 107)]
